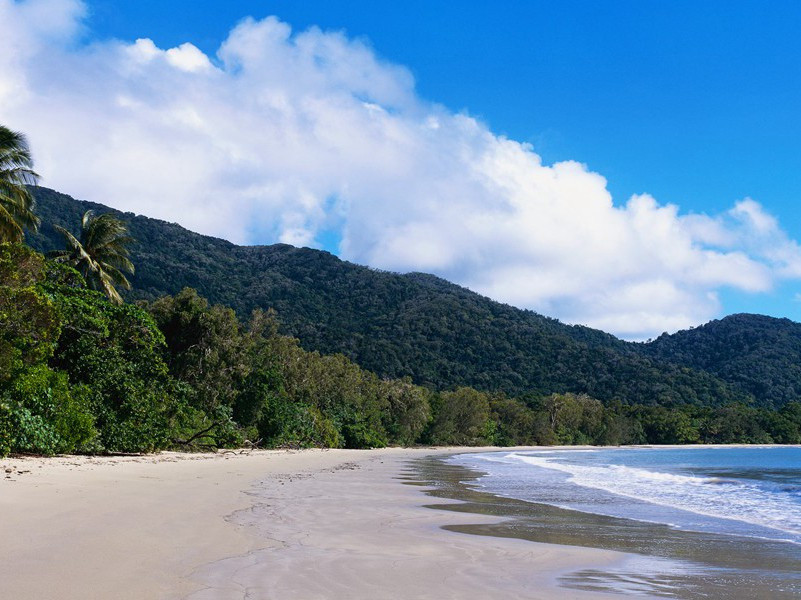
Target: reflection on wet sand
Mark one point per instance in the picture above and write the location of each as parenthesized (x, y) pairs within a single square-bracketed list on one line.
[(669, 562)]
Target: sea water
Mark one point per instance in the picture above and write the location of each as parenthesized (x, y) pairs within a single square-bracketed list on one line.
[(706, 522), (744, 491)]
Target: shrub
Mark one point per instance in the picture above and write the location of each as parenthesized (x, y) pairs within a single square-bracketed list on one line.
[(115, 350), (43, 414), (286, 422)]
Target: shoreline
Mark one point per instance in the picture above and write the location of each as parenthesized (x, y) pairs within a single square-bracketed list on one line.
[(668, 559), (310, 524)]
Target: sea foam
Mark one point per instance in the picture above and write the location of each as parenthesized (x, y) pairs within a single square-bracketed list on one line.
[(759, 503)]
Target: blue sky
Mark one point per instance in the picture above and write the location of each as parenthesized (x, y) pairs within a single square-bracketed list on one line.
[(694, 104)]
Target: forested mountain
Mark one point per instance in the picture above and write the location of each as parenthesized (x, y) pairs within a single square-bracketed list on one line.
[(418, 325), (758, 354)]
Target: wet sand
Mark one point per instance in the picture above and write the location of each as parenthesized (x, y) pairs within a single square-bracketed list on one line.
[(659, 560), (309, 524)]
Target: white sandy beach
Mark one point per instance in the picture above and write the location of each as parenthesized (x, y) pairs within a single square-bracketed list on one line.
[(324, 524)]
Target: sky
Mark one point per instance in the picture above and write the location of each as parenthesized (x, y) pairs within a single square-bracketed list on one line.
[(634, 166)]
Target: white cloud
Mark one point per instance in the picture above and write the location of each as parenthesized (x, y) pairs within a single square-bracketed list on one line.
[(283, 136)]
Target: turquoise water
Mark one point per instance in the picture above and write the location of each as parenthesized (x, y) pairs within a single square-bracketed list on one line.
[(753, 492)]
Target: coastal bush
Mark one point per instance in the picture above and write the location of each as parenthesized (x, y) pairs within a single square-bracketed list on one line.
[(78, 373), (6, 428), (29, 322), (736, 423), (284, 422), (260, 390), (205, 347), (360, 433), (781, 429), (43, 414), (515, 422), (668, 426), (115, 350), (461, 418), (575, 418), (408, 412)]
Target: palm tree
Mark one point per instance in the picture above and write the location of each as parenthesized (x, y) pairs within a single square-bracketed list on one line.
[(16, 173), (101, 255)]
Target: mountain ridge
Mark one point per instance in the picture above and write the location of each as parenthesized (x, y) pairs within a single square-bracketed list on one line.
[(419, 325)]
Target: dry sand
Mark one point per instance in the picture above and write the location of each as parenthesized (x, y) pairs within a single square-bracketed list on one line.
[(325, 524)]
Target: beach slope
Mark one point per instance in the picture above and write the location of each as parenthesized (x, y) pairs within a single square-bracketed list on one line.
[(270, 524)]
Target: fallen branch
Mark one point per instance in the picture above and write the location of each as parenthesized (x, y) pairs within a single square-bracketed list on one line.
[(200, 434)]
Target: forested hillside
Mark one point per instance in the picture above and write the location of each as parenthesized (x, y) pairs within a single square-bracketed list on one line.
[(414, 325), (760, 355)]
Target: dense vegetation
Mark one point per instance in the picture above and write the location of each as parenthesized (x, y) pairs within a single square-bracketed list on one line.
[(418, 326), (82, 371), (757, 354)]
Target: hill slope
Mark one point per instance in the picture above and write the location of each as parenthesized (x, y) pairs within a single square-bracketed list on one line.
[(396, 325), (757, 354)]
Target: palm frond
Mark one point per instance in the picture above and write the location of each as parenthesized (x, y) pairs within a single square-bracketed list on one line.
[(72, 242), (10, 231), (100, 255), (16, 173), (116, 276), (20, 204), (14, 149), (19, 175), (120, 263), (108, 288)]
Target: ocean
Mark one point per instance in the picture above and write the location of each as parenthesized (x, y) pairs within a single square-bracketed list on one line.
[(744, 491), (711, 521)]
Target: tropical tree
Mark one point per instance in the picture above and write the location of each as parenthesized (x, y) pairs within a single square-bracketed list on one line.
[(101, 254), (16, 173)]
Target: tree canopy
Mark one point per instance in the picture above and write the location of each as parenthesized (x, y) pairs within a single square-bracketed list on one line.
[(353, 358), (415, 325)]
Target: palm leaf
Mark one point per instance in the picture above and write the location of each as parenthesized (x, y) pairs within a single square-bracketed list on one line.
[(9, 228), (16, 173), (101, 253)]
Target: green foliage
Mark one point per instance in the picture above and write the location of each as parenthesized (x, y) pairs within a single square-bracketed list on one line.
[(284, 422), (515, 423), (756, 354), (461, 418), (39, 411), (668, 426), (78, 372), (17, 204), (7, 428), (61, 274), (29, 323), (43, 414), (352, 399), (274, 387), (408, 413), (206, 347), (100, 255), (115, 350), (575, 418), (736, 423), (20, 267), (393, 325)]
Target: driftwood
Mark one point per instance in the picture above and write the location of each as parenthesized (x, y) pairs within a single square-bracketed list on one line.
[(203, 433), (193, 442), (247, 447)]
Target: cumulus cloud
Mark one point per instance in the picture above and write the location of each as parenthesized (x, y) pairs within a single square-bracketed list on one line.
[(289, 137)]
